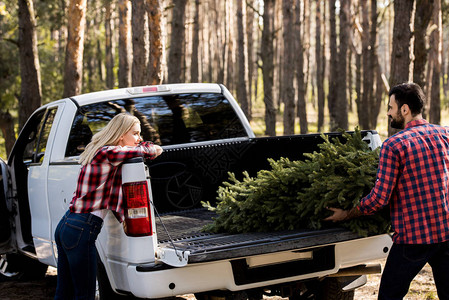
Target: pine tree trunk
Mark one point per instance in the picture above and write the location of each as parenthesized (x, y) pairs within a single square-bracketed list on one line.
[(176, 52), (7, 128), (436, 41), (267, 56), (109, 47), (299, 63), (400, 55), (242, 95), (319, 67), (194, 73), (288, 92), (342, 100), (30, 86), (124, 44), (154, 9), (374, 66), (139, 64), (400, 58), (333, 76), (367, 70), (422, 19), (73, 74)]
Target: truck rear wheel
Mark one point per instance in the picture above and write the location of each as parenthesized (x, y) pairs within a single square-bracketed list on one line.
[(104, 290), (331, 290), (20, 267)]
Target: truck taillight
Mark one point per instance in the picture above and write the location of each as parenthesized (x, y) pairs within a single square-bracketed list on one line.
[(137, 210)]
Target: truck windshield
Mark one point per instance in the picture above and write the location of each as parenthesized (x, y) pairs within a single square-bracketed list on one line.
[(165, 120)]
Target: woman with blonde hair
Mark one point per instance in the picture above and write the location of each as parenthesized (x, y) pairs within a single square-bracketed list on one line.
[(98, 191)]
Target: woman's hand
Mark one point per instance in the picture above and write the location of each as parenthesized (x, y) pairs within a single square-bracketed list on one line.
[(159, 149)]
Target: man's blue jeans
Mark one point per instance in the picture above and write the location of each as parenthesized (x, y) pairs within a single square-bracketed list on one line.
[(405, 261), (75, 237)]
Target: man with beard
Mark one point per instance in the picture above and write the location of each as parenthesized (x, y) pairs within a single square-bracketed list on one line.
[(413, 179)]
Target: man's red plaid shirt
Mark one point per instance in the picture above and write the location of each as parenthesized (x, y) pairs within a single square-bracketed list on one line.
[(413, 178), (100, 182)]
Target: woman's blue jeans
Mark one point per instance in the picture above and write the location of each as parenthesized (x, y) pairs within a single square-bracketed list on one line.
[(75, 238), (405, 261)]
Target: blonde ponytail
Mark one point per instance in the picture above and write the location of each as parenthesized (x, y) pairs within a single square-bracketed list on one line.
[(108, 136)]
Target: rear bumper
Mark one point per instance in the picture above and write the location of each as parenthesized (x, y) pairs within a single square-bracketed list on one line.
[(223, 275)]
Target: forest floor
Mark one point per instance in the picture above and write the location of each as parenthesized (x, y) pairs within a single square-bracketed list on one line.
[(423, 287)]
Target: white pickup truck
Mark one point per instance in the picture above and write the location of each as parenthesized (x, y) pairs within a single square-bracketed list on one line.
[(165, 253)]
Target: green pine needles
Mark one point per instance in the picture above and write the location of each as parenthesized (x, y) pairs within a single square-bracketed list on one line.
[(295, 194)]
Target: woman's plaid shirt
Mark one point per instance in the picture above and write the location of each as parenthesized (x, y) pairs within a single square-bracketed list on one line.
[(413, 178), (100, 182)]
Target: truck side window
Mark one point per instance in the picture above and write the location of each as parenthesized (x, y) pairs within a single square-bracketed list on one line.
[(37, 141), (164, 119)]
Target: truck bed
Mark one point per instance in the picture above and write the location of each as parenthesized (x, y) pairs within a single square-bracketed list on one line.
[(184, 228)]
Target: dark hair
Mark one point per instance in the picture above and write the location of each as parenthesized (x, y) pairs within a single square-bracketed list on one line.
[(411, 94)]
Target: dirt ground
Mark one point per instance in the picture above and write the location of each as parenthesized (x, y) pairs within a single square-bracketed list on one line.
[(423, 287)]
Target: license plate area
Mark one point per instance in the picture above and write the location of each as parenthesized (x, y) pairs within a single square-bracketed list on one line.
[(316, 260)]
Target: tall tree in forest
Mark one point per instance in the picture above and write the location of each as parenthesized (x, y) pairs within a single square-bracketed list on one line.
[(342, 100), (333, 68), (288, 91), (320, 65), (30, 87), (109, 45), (422, 19), (368, 76), (299, 63), (267, 57), (436, 41), (124, 43), (402, 34), (139, 64), (376, 95), (194, 71), (176, 51), (156, 42), (242, 94), (402, 43), (73, 72)]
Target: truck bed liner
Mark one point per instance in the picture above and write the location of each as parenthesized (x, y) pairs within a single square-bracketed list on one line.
[(184, 228)]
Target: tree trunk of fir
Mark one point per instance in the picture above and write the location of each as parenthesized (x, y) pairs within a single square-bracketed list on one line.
[(436, 42), (342, 100), (139, 64), (109, 47), (422, 19), (155, 75), (124, 44), (367, 69), (267, 56), (306, 36), (288, 94), (251, 34), (299, 63), (374, 66), (400, 55), (242, 95), (176, 52), (7, 128), (30, 86), (319, 67), (358, 88), (194, 72), (73, 74), (333, 69), (400, 58)]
